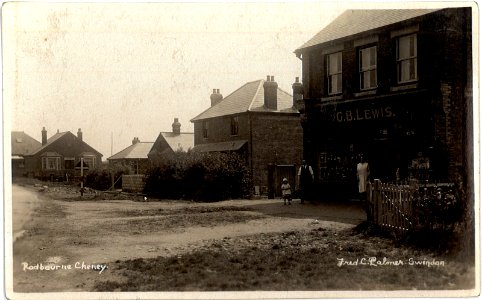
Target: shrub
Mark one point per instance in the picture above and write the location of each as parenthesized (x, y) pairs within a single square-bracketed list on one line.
[(199, 176), (98, 179)]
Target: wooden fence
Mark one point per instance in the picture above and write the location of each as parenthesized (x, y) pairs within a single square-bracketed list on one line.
[(391, 206)]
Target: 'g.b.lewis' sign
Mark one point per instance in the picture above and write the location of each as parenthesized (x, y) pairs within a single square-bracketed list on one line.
[(358, 114)]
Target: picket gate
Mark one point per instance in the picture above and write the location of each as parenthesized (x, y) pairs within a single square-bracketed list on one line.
[(391, 206)]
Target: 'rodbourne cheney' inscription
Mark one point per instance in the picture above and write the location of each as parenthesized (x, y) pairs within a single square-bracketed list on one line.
[(363, 114)]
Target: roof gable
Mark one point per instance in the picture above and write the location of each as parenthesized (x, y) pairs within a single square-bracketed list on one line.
[(249, 97), (356, 21), (135, 151), (23, 144), (179, 142), (57, 138)]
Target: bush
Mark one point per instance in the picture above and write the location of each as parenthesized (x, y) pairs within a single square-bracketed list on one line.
[(199, 176), (98, 180)]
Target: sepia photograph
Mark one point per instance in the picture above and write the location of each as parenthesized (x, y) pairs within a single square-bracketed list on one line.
[(241, 150)]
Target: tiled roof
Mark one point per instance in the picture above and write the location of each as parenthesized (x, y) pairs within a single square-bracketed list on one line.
[(58, 136), (249, 97), (183, 141), (135, 151), (222, 146), (352, 22), (51, 140), (23, 144)]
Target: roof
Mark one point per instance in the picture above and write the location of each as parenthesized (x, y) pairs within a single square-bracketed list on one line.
[(57, 137), (50, 141), (23, 144), (352, 22), (249, 97), (134, 151), (222, 146), (183, 141)]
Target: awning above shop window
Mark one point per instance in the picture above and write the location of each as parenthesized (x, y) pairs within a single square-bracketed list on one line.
[(220, 147)]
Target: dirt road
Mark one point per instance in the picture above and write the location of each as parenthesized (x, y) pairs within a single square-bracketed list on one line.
[(86, 233)]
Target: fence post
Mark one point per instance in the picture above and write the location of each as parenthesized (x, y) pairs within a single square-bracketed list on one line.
[(377, 202)]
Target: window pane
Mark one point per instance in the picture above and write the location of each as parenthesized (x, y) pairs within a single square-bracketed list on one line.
[(373, 56), (405, 70), (365, 59), (373, 78), (334, 63), (413, 46), (403, 47), (413, 68)]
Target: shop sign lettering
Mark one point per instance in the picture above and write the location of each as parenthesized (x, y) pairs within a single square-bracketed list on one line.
[(363, 114)]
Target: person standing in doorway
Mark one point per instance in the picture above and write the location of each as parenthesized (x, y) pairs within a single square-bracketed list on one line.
[(362, 174), (305, 179)]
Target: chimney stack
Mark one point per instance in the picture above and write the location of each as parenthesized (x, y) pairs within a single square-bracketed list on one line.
[(216, 97), (176, 126), (79, 134), (270, 93), (297, 91), (135, 140), (44, 136)]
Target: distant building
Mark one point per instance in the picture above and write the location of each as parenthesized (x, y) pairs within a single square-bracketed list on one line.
[(133, 157), (258, 121), (61, 154), (170, 142), (22, 144), (395, 85)]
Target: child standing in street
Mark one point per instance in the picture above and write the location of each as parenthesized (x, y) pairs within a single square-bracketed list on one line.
[(286, 191)]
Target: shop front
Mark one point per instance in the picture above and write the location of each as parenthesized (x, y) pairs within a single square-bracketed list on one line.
[(395, 134)]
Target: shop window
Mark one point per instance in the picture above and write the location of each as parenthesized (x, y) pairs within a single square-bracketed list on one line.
[(51, 163), (334, 74), (368, 68), (407, 58), (205, 129), (234, 125)]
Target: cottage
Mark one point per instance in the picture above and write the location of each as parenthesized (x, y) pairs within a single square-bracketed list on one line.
[(22, 145), (395, 85), (61, 156), (170, 142), (133, 157), (258, 121)]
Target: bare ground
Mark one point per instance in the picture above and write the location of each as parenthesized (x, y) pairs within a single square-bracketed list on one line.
[(204, 238)]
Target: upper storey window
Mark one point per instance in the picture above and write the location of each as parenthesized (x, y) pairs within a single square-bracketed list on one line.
[(407, 58), (368, 68), (205, 129), (234, 125), (334, 64)]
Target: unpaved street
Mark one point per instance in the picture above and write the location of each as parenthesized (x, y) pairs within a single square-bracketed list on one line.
[(99, 232), (26, 201)]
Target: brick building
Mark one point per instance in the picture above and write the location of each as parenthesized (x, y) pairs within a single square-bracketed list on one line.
[(260, 122), (394, 85), (61, 154), (170, 142), (22, 145)]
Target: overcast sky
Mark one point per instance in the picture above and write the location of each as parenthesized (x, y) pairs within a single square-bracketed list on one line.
[(128, 70)]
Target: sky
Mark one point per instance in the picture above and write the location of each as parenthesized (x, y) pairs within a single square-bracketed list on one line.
[(125, 70)]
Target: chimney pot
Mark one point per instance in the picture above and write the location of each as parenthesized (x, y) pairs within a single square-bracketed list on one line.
[(216, 97), (270, 93), (297, 91), (176, 126), (44, 136), (79, 134)]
